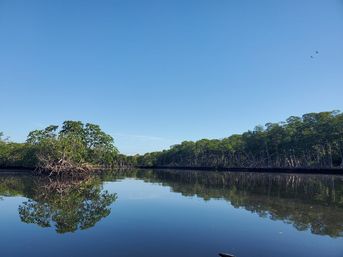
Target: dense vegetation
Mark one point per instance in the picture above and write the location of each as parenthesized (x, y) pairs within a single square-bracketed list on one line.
[(73, 147), (314, 140)]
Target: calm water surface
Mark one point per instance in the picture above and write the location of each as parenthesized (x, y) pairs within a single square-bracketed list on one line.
[(172, 213)]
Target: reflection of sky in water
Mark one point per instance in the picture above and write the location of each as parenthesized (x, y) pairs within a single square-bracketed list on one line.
[(148, 219), (132, 190)]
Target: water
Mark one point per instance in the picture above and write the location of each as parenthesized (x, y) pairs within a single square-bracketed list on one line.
[(172, 213)]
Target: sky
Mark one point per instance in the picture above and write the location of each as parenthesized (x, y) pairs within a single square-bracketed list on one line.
[(153, 73)]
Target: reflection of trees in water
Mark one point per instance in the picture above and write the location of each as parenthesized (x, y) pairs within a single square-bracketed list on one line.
[(307, 202), (14, 185), (67, 204), (313, 202)]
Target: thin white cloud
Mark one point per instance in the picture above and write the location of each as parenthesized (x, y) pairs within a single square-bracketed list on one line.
[(132, 144), (140, 137)]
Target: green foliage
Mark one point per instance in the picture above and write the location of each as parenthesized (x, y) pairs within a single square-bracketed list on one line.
[(16, 154), (99, 144), (75, 143), (313, 140), (37, 136)]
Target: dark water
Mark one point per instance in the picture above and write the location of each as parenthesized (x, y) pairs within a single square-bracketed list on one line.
[(172, 213)]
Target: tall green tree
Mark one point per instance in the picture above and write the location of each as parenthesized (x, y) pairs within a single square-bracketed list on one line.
[(74, 145)]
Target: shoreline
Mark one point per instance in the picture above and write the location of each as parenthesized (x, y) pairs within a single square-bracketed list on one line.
[(16, 170), (327, 171)]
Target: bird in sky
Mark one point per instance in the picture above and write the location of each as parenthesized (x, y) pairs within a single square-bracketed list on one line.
[(316, 52)]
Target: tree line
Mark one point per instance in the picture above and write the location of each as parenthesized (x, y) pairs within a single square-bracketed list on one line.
[(314, 140)]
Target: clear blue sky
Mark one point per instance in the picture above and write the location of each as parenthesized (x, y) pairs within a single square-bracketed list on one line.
[(155, 73)]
